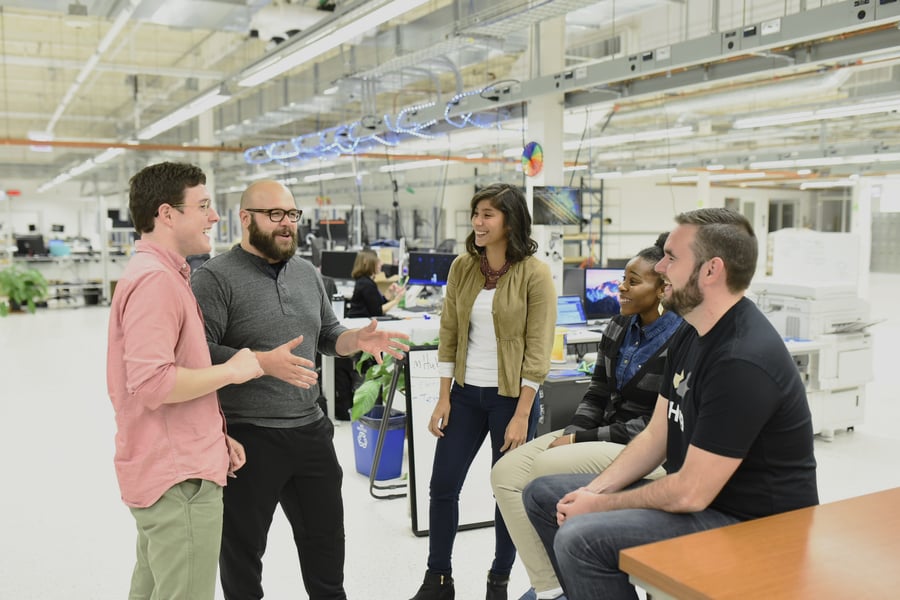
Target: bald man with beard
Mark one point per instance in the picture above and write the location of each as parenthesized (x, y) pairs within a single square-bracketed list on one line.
[(262, 296)]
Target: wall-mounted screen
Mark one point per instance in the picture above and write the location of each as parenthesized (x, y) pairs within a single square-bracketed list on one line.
[(429, 268), (556, 205), (337, 264), (601, 292)]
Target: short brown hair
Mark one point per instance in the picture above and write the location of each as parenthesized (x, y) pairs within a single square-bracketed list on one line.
[(729, 235), (153, 186)]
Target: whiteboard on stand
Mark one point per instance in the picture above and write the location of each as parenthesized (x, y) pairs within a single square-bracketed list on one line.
[(476, 500)]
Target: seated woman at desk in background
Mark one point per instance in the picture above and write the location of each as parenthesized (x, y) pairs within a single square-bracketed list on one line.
[(616, 407), (367, 300), (495, 339)]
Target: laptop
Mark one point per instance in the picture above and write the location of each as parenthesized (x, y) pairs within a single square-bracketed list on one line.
[(570, 312)]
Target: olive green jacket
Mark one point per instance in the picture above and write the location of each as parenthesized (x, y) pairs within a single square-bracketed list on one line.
[(524, 312)]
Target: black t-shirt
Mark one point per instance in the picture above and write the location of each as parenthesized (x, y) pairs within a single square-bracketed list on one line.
[(366, 300), (736, 392)]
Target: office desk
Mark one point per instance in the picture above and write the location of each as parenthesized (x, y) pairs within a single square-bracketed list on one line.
[(421, 329), (845, 549)]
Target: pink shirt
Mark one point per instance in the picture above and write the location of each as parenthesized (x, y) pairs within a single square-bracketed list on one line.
[(154, 326)]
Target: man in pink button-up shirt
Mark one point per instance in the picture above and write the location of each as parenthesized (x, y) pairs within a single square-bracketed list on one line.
[(172, 453)]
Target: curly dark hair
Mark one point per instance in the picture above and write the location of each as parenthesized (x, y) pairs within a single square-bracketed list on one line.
[(509, 200), (162, 183)]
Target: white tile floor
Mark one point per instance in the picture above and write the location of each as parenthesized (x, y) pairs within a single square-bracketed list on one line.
[(64, 533)]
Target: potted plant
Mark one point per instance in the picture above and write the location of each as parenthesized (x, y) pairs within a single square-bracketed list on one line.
[(376, 383), (22, 288), (367, 419)]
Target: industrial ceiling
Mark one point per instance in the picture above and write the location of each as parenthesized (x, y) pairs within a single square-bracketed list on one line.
[(647, 86)]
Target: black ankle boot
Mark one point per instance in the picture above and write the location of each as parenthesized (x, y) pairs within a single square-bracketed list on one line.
[(436, 587), (496, 587)]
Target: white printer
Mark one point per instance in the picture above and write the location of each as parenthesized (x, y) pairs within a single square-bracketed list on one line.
[(824, 326)]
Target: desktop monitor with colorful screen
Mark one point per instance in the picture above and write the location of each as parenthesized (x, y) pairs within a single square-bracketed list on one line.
[(601, 292), (429, 268)]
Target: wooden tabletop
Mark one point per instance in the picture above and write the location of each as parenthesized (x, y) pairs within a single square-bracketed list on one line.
[(845, 549)]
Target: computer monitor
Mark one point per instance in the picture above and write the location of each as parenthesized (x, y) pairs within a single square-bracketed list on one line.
[(429, 268), (601, 292), (570, 311), (30, 245), (573, 282), (336, 230), (337, 264), (556, 205), (120, 219)]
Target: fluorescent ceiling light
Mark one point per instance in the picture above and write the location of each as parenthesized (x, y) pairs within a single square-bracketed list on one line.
[(720, 177), (638, 173), (827, 161), (832, 112), (196, 107), (330, 176), (324, 39), (627, 138), (415, 164), (108, 154), (821, 185)]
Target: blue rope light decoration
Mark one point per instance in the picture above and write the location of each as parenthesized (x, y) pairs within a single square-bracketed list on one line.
[(352, 138)]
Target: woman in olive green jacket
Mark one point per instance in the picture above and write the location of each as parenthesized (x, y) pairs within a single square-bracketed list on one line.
[(495, 339)]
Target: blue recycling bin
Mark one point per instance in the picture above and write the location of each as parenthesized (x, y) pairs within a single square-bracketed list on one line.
[(365, 438)]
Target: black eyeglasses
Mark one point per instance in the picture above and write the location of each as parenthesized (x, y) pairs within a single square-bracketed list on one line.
[(277, 215), (203, 206)]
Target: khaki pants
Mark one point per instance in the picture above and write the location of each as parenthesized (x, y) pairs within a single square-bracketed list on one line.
[(178, 543), (526, 463)]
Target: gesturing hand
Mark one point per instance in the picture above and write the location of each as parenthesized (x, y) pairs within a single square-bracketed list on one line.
[(283, 364), (375, 341)]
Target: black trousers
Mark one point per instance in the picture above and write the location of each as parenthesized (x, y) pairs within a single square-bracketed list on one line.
[(297, 468)]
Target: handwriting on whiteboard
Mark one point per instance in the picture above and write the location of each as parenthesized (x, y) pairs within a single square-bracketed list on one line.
[(425, 381), (423, 363)]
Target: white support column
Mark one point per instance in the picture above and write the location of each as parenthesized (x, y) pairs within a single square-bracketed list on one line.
[(545, 126)]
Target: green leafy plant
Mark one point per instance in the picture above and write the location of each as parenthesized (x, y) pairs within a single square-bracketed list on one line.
[(21, 287), (377, 381)]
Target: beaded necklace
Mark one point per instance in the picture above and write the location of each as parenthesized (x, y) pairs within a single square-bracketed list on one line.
[(491, 276)]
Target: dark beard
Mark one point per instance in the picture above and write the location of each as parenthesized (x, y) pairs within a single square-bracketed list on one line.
[(687, 298), (268, 246)]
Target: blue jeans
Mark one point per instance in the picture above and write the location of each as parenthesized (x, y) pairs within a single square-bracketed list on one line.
[(474, 412), (585, 550)]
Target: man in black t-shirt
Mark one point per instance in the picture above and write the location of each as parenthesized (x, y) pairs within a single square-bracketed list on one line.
[(732, 424)]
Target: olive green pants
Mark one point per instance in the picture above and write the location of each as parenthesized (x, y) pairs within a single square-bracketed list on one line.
[(178, 543)]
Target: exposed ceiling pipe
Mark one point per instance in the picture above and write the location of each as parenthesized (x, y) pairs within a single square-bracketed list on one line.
[(91, 63), (124, 145)]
